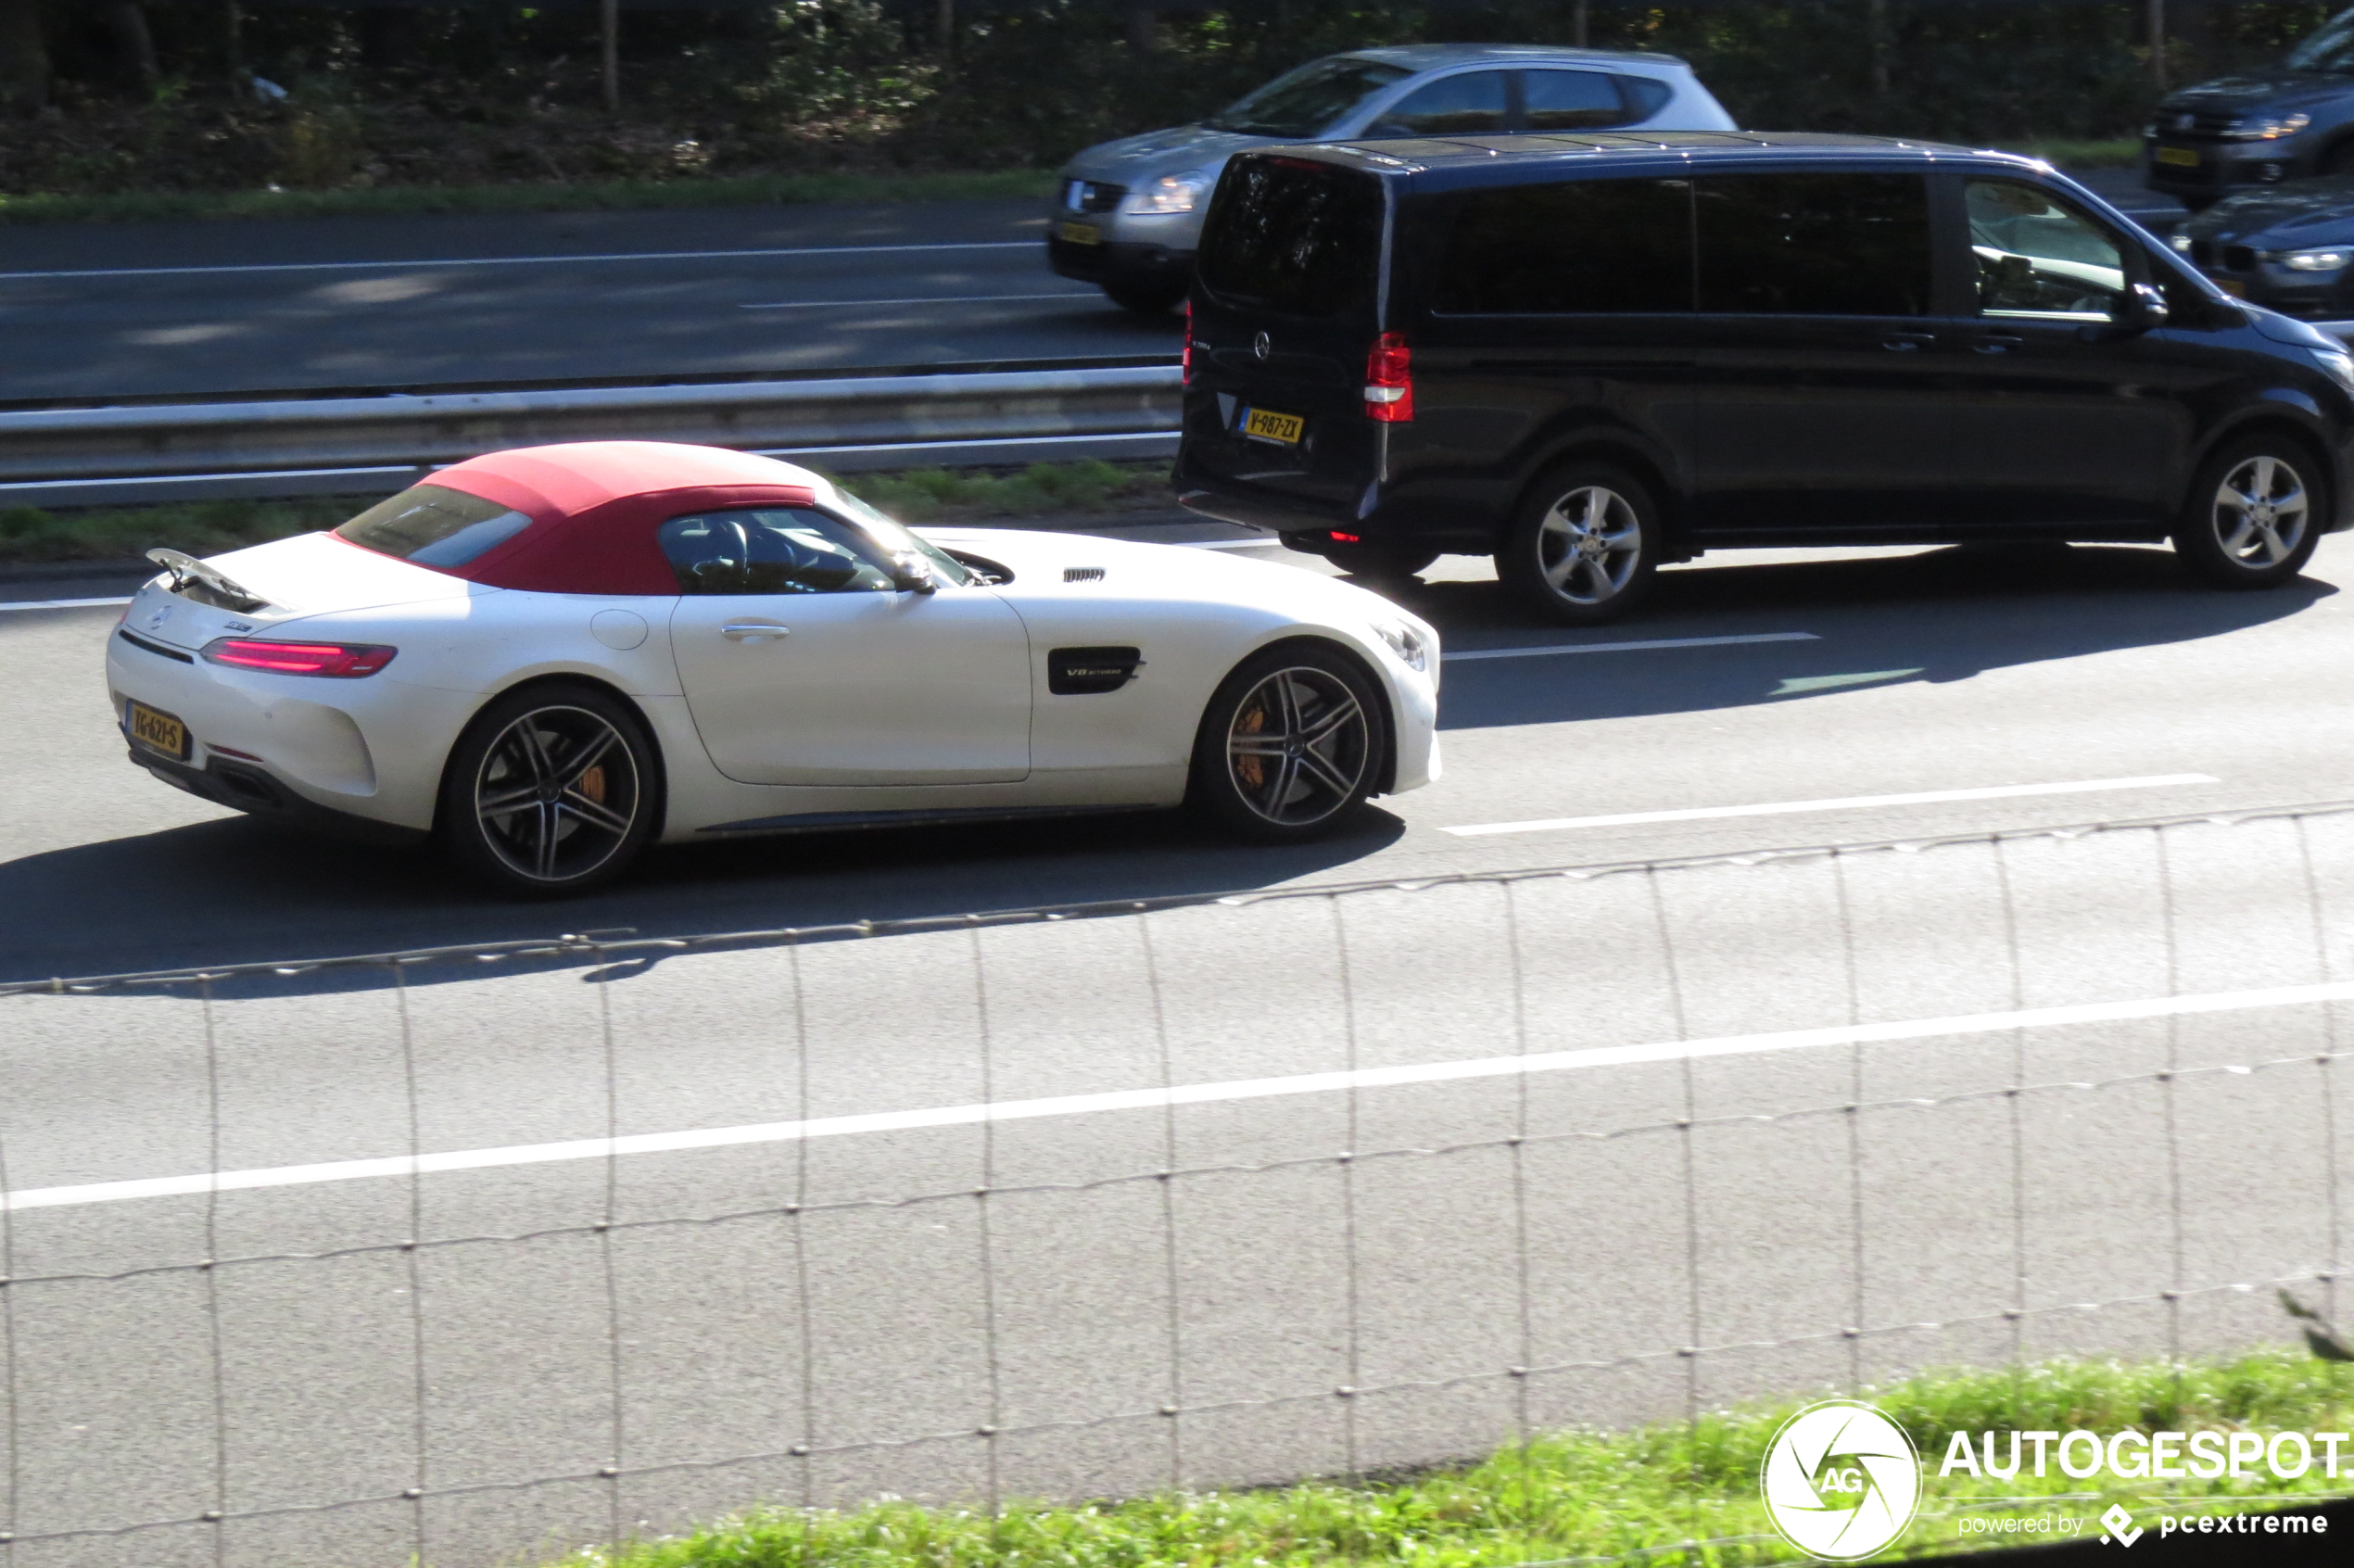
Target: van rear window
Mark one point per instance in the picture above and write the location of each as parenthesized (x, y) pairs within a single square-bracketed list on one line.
[(1589, 244), (1295, 236)]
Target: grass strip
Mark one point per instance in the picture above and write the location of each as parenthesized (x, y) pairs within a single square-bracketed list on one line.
[(927, 495), (1586, 1495), (588, 195)]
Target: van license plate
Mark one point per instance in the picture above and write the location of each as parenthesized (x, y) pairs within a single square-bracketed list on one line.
[(159, 732), (1082, 233), (2181, 157), (1266, 424)]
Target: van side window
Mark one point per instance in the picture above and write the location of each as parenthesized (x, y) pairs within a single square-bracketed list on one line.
[(2038, 259), (1572, 100), (1817, 244), (1582, 245), (1452, 106), (1288, 234)]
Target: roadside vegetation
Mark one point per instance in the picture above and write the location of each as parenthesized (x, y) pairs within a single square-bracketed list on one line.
[(159, 108), (932, 495), (1583, 1496)]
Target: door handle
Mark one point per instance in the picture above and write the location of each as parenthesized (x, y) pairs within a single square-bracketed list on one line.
[(753, 631), (1907, 342), (1998, 342)]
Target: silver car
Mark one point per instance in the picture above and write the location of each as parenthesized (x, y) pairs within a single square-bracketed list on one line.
[(1128, 213)]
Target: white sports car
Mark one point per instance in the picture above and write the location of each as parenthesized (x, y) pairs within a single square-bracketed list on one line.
[(548, 657)]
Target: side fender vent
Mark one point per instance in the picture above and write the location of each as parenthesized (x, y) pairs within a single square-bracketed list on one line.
[(1081, 672), (1083, 574)]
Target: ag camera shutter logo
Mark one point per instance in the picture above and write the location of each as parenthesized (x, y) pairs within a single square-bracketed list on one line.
[(1841, 1480)]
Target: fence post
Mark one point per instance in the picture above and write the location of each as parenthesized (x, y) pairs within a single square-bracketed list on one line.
[(608, 16)]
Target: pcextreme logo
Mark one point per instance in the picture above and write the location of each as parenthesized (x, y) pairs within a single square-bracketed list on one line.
[(1841, 1480)]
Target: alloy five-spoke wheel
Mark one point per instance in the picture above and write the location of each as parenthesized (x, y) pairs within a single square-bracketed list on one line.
[(2253, 516), (1586, 546), (550, 793), (1289, 746)]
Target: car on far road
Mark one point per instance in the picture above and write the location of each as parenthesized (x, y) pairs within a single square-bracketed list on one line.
[(2289, 247), (2259, 127), (548, 657), (1127, 214), (1587, 356)]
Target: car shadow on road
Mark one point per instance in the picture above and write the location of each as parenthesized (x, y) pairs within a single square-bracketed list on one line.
[(1936, 616), (238, 891)]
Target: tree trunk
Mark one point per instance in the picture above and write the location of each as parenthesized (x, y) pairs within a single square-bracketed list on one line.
[(1581, 31), (133, 43), (24, 56), (2157, 44), (1144, 28), (947, 28), (609, 15)]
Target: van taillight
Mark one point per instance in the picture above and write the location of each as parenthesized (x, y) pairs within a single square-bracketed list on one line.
[(1186, 355), (1390, 380)]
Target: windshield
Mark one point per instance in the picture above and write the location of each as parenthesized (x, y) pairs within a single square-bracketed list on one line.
[(2331, 48), (895, 539), (1302, 103)]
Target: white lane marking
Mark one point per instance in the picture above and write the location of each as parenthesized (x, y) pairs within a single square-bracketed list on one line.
[(1183, 1094), (60, 604), (1234, 544), (1631, 647), (1851, 803), (514, 261), (929, 300)]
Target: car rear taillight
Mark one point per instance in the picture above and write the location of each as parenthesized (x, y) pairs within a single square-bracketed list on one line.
[(1390, 380), (1186, 355), (344, 660)]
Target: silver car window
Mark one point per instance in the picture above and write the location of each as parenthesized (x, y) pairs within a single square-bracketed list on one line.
[(1468, 104), (1572, 100), (774, 550), (1303, 102)]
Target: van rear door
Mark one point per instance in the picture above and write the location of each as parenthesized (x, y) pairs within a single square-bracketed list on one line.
[(1286, 313)]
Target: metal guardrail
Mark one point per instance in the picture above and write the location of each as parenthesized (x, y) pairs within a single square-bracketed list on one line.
[(51, 445)]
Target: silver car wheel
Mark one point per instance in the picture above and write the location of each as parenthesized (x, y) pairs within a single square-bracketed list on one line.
[(1589, 544), (556, 794), (1298, 747), (2259, 513)]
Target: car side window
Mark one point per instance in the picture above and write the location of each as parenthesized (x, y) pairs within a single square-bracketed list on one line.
[(2039, 258), (1572, 100), (1817, 244), (1452, 106), (773, 550), (1531, 249)]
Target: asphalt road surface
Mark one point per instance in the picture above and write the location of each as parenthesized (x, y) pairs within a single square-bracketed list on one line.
[(159, 310), (164, 309), (883, 1333)]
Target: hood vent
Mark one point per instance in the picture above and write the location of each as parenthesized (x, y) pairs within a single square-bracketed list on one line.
[(1083, 574)]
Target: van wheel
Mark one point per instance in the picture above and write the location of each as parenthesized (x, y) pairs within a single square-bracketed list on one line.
[(1585, 546), (1289, 747), (551, 791), (2254, 514), (1145, 299), (1373, 560)]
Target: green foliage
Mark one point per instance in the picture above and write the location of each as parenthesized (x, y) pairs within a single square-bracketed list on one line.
[(1575, 1494), (494, 106), (1042, 490)]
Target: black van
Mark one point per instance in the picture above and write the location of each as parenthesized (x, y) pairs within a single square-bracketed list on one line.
[(1589, 355)]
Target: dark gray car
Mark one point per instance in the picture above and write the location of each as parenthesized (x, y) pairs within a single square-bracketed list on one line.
[(2259, 127), (1127, 214)]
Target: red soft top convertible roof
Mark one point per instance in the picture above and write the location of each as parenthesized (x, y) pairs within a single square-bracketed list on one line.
[(594, 507)]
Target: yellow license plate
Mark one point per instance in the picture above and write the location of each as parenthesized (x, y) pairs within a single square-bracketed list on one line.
[(159, 732), (1082, 233), (2181, 157), (2232, 286), (1268, 425)]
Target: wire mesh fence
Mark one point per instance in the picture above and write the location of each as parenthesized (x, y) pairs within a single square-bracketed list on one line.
[(445, 1257)]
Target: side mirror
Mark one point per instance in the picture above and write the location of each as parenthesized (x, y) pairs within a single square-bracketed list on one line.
[(2140, 309), (911, 573)]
